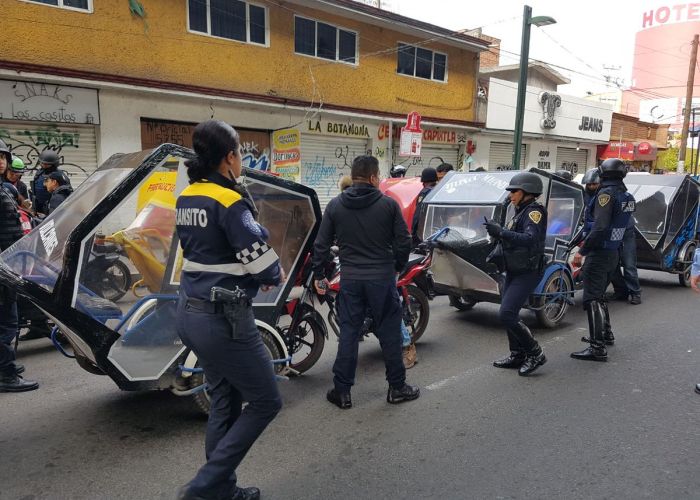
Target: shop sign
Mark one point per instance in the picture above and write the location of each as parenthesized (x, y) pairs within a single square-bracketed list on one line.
[(347, 129), (544, 162), (286, 153), (624, 150), (411, 136), (47, 102), (436, 136), (645, 151)]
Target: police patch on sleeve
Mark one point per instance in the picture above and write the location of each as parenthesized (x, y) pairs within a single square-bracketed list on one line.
[(250, 223), (535, 216), (603, 199)]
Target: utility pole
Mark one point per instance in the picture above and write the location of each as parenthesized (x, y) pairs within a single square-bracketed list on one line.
[(688, 104)]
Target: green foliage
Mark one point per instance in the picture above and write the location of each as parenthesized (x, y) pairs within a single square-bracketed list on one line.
[(668, 159)]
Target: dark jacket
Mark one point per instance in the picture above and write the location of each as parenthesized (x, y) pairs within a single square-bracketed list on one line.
[(609, 215), (10, 225), (58, 197), (370, 232), (416, 215), (39, 192)]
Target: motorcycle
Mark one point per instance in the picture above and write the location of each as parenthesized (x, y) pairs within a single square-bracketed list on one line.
[(413, 285)]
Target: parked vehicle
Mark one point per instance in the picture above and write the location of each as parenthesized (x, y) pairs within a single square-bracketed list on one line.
[(666, 218), (460, 269), (134, 341)]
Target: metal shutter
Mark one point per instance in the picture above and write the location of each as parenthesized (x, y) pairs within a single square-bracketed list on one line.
[(572, 160), (449, 154), (75, 145), (501, 155), (324, 160)]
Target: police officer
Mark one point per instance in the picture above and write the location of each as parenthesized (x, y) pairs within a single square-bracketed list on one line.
[(564, 174), (607, 216), (49, 162), (523, 254), (591, 183), (223, 246), (429, 178)]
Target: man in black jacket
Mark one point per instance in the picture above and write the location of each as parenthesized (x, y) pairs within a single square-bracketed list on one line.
[(374, 245), (58, 185), (10, 231)]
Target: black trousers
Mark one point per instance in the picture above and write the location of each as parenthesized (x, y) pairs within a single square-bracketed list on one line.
[(382, 299), (236, 370), (9, 330), (598, 269), (515, 293)]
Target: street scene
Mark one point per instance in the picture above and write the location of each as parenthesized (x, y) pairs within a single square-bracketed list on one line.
[(348, 249)]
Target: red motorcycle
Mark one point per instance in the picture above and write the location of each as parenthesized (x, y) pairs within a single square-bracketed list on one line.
[(413, 286)]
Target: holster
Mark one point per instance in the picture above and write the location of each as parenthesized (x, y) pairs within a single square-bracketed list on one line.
[(496, 257), (234, 303)]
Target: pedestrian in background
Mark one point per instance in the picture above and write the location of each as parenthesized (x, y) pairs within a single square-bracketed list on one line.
[(374, 245), (442, 170), (225, 247), (608, 215), (13, 175), (429, 178), (522, 241), (58, 186), (695, 284), (48, 163)]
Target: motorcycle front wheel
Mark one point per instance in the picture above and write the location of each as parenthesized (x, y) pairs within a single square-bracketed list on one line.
[(416, 312), (306, 343), (112, 283)]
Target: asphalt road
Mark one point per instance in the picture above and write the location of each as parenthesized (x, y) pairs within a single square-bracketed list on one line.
[(628, 428)]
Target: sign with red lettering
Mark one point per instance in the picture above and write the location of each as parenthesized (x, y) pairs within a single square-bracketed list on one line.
[(678, 13), (411, 136), (413, 122), (644, 148)]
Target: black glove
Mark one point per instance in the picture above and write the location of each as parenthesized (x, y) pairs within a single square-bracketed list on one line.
[(493, 228)]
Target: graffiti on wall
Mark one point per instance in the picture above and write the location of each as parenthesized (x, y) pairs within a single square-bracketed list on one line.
[(29, 143), (255, 156)]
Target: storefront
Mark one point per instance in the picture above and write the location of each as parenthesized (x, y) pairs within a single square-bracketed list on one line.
[(439, 145), (42, 116), (640, 156), (559, 132)]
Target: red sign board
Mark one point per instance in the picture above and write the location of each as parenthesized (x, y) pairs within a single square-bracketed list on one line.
[(411, 136), (413, 122), (624, 150), (644, 148)]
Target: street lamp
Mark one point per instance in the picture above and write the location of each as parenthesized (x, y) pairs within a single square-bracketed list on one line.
[(528, 21)]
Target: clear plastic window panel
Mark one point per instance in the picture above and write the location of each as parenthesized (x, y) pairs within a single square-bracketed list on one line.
[(563, 212), (685, 203), (38, 257), (651, 207), (466, 222), (289, 218)]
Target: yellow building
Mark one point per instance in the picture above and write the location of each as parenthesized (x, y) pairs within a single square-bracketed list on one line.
[(96, 77)]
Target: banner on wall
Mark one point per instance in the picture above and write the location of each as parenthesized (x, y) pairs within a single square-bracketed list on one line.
[(286, 153)]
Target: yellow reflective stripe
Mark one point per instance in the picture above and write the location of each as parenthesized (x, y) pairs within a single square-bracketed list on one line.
[(225, 196)]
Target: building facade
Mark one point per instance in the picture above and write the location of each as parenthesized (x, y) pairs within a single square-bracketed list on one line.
[(336, 78)]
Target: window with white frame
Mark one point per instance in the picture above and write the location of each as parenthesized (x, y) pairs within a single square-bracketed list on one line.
[(421, 63), (85, 5), (318, 39), (232, 19)]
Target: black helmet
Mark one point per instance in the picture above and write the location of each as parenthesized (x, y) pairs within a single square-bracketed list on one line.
[(5, 151), (526, 181), (398, 171), (591, 177), (564, 174), (428, 174), (49, 156), (612, 168)]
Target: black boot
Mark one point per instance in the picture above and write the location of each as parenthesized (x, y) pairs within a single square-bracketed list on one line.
[(402, 394), (341, 399), (635, 299), (514, 360), (15, 383), (246, 494), (533, 361), (596, 327)]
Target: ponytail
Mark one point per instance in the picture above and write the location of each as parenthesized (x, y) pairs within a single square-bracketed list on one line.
[(212, 140)]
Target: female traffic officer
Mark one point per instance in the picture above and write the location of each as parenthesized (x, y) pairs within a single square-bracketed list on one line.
[(523, 252), (223, 246)]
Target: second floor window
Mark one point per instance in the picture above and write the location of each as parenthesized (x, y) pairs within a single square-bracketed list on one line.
[(421, 63), (230, 19), (317, 39), (68, 4)]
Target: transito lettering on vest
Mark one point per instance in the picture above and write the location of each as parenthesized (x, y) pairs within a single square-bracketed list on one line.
[(192, 217)]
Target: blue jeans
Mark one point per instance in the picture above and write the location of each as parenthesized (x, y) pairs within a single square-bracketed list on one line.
[(382, 299), (405, 335)]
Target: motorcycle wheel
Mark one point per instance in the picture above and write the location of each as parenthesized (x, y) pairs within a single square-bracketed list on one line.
[(114, 282), (203, 400), (462, 303), (418, 313), (684, 277), (307, 341)]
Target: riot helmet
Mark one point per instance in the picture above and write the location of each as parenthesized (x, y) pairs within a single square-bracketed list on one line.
[(526, 181), (591, 177), (397, 171), (564, 174), (4, 150), (612, 168), (49, 157)]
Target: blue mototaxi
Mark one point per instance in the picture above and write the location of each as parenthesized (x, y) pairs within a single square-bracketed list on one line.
[(133, 339), (460, 202), (666, 218)]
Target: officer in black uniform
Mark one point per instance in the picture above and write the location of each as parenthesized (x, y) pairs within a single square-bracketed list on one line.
[(223, 246), (607, 216), (523, 254), (49, 162), (429, 178)]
